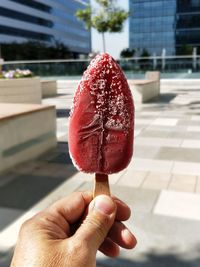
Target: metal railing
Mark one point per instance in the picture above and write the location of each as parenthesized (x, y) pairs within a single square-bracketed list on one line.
[(133, 67)]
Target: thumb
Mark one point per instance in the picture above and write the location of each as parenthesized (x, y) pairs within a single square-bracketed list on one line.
[(95, 227)]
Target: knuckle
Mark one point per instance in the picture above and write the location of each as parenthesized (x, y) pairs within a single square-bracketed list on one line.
[(25, 227), (30, 224)]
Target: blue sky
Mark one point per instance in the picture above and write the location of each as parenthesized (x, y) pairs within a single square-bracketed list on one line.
[(115, 42)]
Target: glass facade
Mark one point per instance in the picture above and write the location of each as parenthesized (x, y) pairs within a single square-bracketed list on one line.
[(164, 24), (152, 25), (45, 21), (188, 23)]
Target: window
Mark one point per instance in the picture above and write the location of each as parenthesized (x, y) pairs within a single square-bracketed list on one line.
[(24, 17), (34, 4), (24, 33)]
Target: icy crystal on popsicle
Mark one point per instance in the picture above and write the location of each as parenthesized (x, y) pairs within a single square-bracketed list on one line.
[(101, 125)]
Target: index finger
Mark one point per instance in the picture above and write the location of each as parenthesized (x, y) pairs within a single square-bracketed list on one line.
[(123, 210), (72, 207)]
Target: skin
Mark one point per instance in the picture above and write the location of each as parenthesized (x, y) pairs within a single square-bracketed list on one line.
[(70, 232)]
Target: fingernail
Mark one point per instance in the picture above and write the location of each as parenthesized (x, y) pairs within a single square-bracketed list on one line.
[(104, 204)]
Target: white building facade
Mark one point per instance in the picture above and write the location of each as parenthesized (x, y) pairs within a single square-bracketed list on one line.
[(44, 21)]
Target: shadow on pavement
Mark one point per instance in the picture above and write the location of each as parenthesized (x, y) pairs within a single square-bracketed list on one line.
[(194, 105), (152, 259), (62, 113), (163, 98), (31, 184)]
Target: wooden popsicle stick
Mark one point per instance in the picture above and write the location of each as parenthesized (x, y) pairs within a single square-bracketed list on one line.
[(101, 186)]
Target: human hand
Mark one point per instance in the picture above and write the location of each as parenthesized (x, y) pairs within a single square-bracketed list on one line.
[(57, 236)]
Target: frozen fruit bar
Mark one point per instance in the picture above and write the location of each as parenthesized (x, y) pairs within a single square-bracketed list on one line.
[(101, 125)]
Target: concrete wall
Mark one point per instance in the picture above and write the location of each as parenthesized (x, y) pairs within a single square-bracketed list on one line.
[(142, 93), (176, 84), (26, 136), (26, 90), (49, 88)]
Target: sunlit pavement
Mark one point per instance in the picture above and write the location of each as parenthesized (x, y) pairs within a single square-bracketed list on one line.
[(161, 184)]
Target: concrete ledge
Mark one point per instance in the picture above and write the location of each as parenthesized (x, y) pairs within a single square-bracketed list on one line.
[(145, 90), (49, 88), (23, 134), (26, 90), (177, 84)]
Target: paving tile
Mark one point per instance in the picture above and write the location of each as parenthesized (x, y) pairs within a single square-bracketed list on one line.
[(177, 134), (26, 190), (190, 135), (149, 152), (7, 216), (137, 132), (55, 170), (28, 167), (198, 185), (62, 158), (139, 199), (185, 134), (165, 122), (5, 258), (169, 142), (63, 138), (62, 121), (189, 123), (143, 121), (176, 204), (177, 128), (86, 177), (6, 177), (8, 236), (179, 154), (185, 183), (195, 144), (150, 113), (114, 178), (195, 118), (193, 128), (132, 178), (60, 134), (154, 133), (82, 177), (151, 165), (186, 168), (157, 181)]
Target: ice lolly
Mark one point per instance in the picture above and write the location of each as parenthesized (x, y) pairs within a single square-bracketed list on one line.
[(101, 125)]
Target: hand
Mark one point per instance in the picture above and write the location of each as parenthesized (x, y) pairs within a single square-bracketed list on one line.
[(57, 236)]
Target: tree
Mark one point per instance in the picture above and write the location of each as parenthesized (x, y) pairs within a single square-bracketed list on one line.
[(144, 53), (32, 50), (107, 18), (144, 59), (185, 49), (127, 52)]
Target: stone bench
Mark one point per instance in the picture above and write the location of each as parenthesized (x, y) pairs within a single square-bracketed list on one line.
[(49, 88), (145, 90), (26, 132), (25, 90)]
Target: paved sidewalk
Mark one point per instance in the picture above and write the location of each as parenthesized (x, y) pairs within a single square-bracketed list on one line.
[(161, 184)]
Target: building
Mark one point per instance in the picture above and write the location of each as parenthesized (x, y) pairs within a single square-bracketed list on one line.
[(188, 23), (44, 21), (152, 25)]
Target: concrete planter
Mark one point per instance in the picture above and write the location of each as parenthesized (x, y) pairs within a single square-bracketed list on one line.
[(23, 133), (49, 88), (24, 90)]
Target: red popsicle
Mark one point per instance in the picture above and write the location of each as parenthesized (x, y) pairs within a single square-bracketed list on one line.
[(101, 124)]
